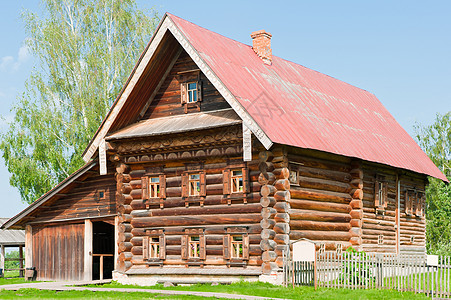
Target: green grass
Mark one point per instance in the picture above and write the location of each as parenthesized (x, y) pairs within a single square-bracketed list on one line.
[(15, 280), (44, 294), (269, 290)]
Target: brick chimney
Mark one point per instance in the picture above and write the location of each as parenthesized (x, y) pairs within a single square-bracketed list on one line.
[(261, 43)]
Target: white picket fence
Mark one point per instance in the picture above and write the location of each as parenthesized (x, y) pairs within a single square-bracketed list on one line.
[(373, 271)]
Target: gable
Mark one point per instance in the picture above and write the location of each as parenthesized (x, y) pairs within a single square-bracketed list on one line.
[(167, 101)]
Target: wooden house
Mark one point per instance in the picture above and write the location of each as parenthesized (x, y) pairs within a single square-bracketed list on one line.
[(215, 156)]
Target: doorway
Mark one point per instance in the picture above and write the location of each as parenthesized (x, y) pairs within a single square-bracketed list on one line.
[(102, 250)]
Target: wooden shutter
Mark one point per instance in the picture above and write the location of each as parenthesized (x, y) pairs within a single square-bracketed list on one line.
[(145, 246), (246, 188), (162, 247), (408, 203), (203, 184), (184, 245), (199, 91), (226, 246), (163, 186), (185, 185), (246, 246), (202, 247), (145, 188), (385, 194), (376, 195), (419, 205), (226, 181), (183, 93)]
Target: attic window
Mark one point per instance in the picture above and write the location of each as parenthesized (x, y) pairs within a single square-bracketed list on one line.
[(191, 92), (191, 89)]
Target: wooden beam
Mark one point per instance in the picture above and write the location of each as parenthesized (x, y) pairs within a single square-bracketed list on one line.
[(28, 246), (88, 250)]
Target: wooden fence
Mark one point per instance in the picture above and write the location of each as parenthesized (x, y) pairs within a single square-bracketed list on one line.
[(360, 270)]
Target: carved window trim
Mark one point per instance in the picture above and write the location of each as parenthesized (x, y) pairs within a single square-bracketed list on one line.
[(380, 194), (186, 244), (186, 78), (228, 192), (146, 187), (229, 242), (414, 203), (148, 242), (186, 187)]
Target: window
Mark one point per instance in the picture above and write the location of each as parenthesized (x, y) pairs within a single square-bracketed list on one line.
[(194, 184), (412, 239), (191, 88), (380, 239), (191, 91), (100, 195), (293, 178), (154, 187), (154, 246), (322, 248), (193, 245), (237, 246), (414, 202), (339, 247), (237, 181), (380, 194)]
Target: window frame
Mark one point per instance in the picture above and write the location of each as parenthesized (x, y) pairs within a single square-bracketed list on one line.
[(146, 190), (147, 243), (186, 187), (228, 193), (228, 245), (380, 194), (186, 78), (186, 245)]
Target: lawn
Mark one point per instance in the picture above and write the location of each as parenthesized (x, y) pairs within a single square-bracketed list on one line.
[(14, 280), (43, 294), (269, 290)]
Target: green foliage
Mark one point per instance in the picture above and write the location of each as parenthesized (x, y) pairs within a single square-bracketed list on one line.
[(354, 269), (84, 51), (436, 142), (12, 264)]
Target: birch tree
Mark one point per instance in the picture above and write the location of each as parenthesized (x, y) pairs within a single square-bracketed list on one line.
[(435, 140), (84, 50)]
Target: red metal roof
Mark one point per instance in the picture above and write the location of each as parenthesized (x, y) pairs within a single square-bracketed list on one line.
[(297, 106)]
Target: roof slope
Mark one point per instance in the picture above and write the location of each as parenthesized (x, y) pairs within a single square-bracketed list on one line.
[(300, 107), (11, 237)]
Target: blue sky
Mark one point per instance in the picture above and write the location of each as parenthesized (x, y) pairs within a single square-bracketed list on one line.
[(398, 50)]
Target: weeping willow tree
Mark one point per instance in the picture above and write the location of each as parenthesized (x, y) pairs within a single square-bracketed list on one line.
[(84, 50), (435, 140)]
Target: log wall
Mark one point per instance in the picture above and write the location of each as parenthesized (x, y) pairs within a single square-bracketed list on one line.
[(214, 216), (386, 223), (82, 201), (320, 203)]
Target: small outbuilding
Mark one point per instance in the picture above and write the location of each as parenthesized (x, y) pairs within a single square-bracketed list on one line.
[(14, 239)]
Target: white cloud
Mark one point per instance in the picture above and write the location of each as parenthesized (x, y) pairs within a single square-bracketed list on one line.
[(11, 63), (6, 62)]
